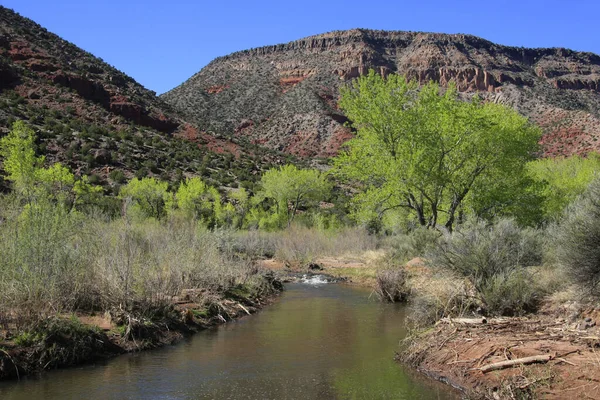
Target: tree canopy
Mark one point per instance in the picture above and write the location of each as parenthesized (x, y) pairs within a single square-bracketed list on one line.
[(149, 196), (291, 189), (36, 184), (563, 179), (424, 150)]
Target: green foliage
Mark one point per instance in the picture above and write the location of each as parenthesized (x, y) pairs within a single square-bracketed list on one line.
[(495, 260), (563, 179), (20, 162), (148, 196), (197, 200), (117, 176), (292, 189), (241, 201), (26, 339), (35, 184), (577, 237), (427, 152)]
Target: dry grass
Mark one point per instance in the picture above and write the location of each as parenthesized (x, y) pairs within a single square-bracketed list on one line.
[(437, 295), (392, 285), (60, 262), (300, 246), (364, 275)]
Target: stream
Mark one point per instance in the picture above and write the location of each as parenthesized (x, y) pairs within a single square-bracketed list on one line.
[(318, 341)]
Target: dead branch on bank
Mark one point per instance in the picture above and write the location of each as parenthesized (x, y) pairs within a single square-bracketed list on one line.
[(542, 358)]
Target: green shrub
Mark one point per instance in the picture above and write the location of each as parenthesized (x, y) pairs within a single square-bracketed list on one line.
[(117, 176), (416, 243), (494, 258), (576, 240), (512, 293)]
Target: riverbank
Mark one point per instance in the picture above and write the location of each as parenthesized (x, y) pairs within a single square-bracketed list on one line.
[(59, 341), (541, 356), (552, 354)]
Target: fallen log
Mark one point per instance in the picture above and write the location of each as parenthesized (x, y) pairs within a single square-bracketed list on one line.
[(511, 363), (465, 321), (590, 337)]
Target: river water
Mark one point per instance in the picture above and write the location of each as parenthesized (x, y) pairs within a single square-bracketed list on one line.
[(322, 341)]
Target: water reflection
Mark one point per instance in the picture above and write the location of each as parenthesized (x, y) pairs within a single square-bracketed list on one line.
[(323, 342)]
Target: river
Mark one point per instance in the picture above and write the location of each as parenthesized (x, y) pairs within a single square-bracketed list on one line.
[(323, 341)]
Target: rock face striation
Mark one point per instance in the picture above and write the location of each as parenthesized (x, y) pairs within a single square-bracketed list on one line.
[(285, 96)]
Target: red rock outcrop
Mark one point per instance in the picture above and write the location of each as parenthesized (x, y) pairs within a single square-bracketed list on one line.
[(31, 56), (290, 90)]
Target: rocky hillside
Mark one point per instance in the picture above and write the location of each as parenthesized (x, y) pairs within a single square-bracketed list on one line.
[(101, 122), (285, 96)]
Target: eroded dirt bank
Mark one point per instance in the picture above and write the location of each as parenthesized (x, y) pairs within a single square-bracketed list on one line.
[(552, 355), (67, 340)]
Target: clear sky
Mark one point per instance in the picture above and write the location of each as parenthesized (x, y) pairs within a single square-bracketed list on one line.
[(162, 43)]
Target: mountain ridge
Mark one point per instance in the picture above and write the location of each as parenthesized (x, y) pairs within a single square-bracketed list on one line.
[(100, 122), (285, 95)]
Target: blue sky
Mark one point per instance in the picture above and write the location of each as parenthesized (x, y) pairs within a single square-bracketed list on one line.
[(163, 43)]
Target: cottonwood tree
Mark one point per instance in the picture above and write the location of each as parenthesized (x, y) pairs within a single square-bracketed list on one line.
[(291, 189), (423, 150), (148, 195), (563, 179), (197, 200), (35, 184)]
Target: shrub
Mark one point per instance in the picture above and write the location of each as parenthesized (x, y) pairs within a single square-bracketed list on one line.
[(438, 295), (512, 293), (494, 259), (118, 176), (415, 243), (577, 237), (391, 285)]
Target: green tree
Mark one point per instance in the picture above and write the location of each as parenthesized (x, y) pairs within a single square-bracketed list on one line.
[(197, 200), (426, 151), (148, 195), (36, 184), (563, 179), (240, 199), (291, 189), (20, 162)]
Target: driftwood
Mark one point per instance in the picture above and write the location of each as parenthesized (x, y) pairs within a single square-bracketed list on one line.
[(465, 321), (511, 363), (543, 358), (244, 308)]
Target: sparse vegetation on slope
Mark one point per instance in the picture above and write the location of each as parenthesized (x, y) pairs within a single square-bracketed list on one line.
[(104, 125), (285, 96)]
